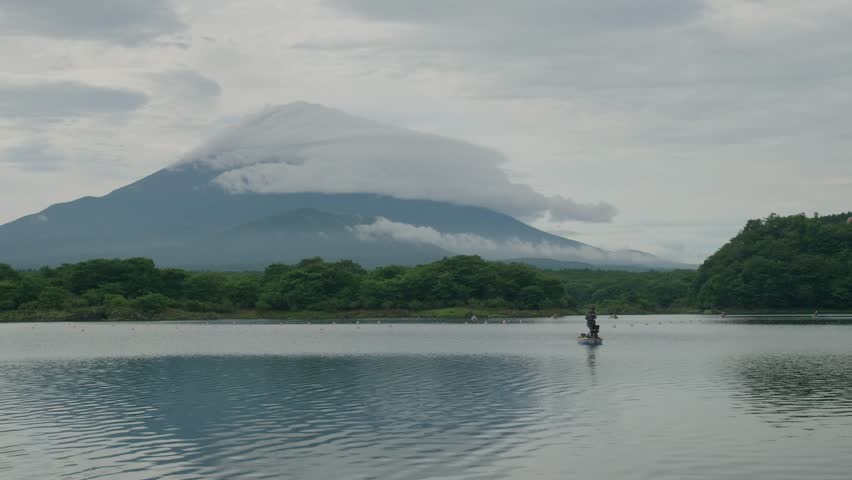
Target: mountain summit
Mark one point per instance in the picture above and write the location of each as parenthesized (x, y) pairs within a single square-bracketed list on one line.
[(299, 146), (303, 180)]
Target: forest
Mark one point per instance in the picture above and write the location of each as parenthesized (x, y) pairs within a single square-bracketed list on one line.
[(773, 264), (455, 286), (781, 263)]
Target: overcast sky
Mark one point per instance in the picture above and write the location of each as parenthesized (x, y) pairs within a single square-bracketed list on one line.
[(688, 116)]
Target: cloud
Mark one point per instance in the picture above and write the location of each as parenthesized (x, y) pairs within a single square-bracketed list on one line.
[(35, 155), (404, 232), (42, 154), (513, 248), (188, 85), (66, 99), (568, 16), (658, 73), (123, 22), (309, 148), (505, 36)]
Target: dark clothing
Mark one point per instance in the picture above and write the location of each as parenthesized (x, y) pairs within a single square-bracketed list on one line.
[(590, 319), (590, 322)]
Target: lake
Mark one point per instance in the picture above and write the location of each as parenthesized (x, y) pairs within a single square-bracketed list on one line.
[(665, 397)]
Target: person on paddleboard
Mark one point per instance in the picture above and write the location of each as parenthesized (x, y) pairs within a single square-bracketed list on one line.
[(591, 316)]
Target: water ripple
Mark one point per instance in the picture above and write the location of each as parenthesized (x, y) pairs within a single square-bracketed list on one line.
[(687, 400), (786, 389)]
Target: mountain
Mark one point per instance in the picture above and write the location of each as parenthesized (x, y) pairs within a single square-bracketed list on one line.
[(302, 180)]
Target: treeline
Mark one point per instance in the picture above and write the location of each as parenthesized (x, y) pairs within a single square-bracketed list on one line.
[(630, 292), (781, 263), (136, 287)]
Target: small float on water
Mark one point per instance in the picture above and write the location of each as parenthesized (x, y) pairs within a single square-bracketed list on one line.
[(585, 339)]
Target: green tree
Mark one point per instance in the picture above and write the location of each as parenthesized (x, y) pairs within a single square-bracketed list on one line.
[(205, 287), (532, 297), (9, 294), (243, 292), (53, 298), (8, 274), (152, 303)]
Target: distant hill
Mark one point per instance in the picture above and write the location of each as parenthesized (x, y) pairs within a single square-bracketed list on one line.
[(781, 263), (658, 264), (286, 184)]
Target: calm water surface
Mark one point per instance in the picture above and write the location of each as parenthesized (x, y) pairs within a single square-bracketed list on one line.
[(674, 397)]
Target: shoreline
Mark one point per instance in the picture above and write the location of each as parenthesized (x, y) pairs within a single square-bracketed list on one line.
[(455, 313), (94, 315)]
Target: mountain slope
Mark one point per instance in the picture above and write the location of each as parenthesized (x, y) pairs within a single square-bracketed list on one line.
[(303, 180), (202, 226)]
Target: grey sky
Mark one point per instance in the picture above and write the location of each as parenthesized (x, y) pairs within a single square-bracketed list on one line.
[(188, 86), (65, 99), (688, 116), (35, 155), (123, 22)]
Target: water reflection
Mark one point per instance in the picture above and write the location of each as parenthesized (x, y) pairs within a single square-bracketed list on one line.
[(787, 388), (823, 319), (591, 359), (223, 417), (691, 399)]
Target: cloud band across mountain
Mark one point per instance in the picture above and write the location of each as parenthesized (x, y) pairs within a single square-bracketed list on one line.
[(511, 248), (309, 148)]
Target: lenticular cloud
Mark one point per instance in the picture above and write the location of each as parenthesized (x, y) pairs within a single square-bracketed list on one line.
[(303, 147)]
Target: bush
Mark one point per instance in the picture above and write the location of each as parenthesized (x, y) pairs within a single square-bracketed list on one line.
[(152, 303), (8, 295), (53, 298)]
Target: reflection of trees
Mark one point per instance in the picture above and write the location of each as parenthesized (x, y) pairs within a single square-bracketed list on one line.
[(794, 386), (825, 319), (260, 413)]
